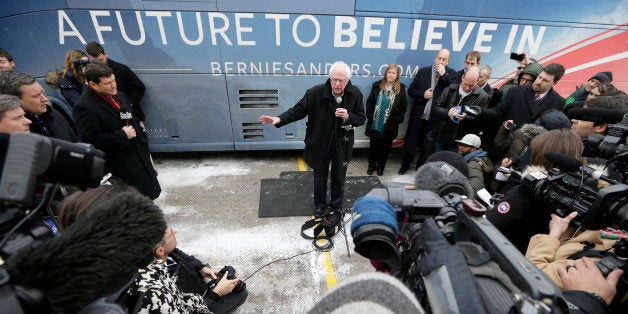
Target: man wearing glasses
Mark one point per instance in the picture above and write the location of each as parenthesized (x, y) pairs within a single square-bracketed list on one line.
[(333, 110)]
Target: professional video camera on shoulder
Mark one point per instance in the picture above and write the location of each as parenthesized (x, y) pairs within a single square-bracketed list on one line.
[(610, 146), (33, 167), (436, 240), (577, 190)]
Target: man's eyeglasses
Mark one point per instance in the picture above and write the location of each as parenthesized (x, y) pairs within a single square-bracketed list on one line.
[(519, 68), (336, 80)]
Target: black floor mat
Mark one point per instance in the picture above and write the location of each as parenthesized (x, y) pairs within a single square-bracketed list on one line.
[(293, 193)]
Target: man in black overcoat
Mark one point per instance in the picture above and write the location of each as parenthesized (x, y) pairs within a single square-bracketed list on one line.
[(426, 88), (333, 109), (525, 104), (105, 119)]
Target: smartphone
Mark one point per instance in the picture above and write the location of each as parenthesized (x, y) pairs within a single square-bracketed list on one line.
[(516, 56)]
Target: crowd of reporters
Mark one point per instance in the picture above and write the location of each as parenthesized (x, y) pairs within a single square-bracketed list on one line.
[(494, 123)]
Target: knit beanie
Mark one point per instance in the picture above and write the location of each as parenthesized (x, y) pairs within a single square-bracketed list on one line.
[(554, 120), (604, 77)]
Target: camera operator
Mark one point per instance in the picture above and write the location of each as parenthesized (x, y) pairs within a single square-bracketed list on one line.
[(519, 216), (552, 253), (583, 128)]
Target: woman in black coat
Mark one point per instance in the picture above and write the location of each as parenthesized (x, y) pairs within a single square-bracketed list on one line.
[(385, 109)]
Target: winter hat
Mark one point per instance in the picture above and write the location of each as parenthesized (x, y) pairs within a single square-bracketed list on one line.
[(604, 77), (554, 120), (471, 140), (373, 210), (454, 159)]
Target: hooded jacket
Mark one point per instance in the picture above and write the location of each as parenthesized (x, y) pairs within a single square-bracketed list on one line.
[(518, 141), (533, 69)]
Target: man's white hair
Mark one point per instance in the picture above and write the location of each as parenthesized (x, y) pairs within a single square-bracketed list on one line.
[(344, 67)]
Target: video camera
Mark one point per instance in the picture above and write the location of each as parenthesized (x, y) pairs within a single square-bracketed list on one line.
[(610, 146), (33, 167), (80, 63), (231, 274), (444, 242), (577, 191)]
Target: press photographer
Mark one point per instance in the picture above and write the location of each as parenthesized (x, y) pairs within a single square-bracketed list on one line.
[(587, 223), (603, 129), (442, 233)]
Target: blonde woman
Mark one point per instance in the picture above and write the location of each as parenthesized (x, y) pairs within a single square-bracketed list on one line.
[(385, 109)]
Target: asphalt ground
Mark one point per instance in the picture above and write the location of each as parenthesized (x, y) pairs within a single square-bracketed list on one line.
[(212, 200)]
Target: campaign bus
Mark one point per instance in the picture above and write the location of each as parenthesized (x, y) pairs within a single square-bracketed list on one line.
[(212, 67)]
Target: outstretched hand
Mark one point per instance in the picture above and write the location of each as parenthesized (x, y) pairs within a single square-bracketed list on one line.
[(269, 120)]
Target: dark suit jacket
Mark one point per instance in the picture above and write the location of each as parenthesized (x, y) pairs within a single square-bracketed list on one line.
[(423, 81), (100, 124), (519, 105), (319, 106), (130, 85)]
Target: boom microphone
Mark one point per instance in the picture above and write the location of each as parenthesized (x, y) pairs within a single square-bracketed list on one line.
[(571, 164), (442, 178), (95, 256), (565, 162), (597, 115)]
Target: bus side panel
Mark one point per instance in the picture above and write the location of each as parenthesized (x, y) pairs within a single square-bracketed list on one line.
[(185, 110)]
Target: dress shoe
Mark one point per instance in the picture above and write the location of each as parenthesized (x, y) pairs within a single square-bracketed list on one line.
[(319, 211), (380, 172), (369, 171), (403, 170)]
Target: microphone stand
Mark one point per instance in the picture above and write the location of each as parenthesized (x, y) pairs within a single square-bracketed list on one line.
[(341, 165)]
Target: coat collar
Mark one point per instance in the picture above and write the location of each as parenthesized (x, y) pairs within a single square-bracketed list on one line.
[(327, 91)]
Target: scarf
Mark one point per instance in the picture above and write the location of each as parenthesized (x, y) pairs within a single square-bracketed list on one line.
[(478, 153), (385, 101)]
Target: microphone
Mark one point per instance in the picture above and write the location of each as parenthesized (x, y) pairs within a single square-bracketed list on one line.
[(571, 164), (338, 102), (565, 162), (597, 115), (442, 178), (93, 257)]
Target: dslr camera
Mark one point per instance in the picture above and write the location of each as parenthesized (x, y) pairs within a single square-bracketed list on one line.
[(80, 63), (443, 243), (231, 274)]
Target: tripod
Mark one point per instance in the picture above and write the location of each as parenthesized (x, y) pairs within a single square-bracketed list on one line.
[(342, 165)]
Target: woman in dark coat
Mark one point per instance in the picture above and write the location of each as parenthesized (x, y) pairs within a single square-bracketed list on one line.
[(71, 80), (385, 109)]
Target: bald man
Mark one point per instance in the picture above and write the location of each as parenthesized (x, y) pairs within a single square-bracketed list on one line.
[(426, 88), (453, 111)]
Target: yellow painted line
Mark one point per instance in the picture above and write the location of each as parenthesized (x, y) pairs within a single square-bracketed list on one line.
[(301, 164), (330, 275)]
